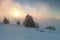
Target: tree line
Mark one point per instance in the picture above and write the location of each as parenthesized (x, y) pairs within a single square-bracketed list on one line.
[(28, 22)]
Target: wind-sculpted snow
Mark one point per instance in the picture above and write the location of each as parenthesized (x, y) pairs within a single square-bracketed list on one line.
[(15, 32)]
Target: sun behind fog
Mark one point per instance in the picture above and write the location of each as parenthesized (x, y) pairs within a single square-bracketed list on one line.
[(16, 13)]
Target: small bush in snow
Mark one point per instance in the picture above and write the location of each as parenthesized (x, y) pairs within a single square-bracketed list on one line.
[(41, 30), (36, 29), (51, 28)]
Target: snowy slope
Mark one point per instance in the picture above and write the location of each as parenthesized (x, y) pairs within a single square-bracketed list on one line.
[(15, 32)]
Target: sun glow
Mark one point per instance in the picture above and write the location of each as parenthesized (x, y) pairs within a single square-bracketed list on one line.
[(16, 13)]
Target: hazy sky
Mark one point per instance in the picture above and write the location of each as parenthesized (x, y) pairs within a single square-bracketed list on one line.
[(51, 5), (37, 8)]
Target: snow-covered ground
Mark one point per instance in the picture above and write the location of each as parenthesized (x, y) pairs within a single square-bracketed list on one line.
[(15, 32)]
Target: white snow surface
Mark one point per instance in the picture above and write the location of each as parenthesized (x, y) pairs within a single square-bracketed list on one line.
[(16, 32)]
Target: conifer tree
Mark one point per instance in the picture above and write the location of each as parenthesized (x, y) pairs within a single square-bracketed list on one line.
[(5, 21), (29, 22), (18, 22)]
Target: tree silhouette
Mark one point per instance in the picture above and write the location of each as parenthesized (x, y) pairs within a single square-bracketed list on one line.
[(29, 22), (5, 21), (18, 22)]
